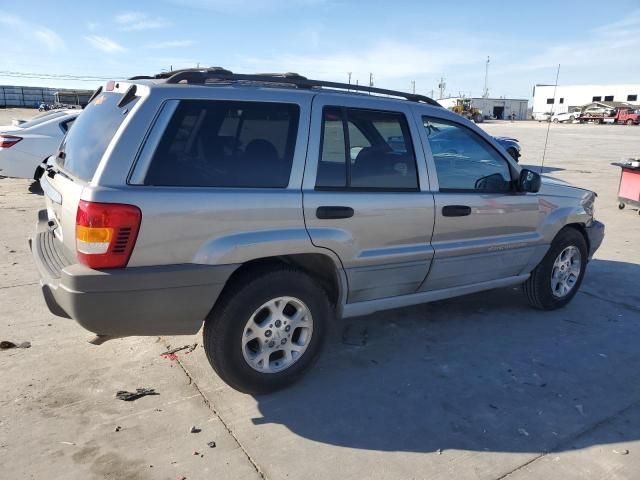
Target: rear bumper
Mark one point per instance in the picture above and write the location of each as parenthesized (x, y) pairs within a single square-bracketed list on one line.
[(595, 232), (159, 300)]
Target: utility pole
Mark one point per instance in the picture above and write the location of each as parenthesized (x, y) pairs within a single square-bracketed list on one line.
[(485, 93), (413, 86), (349, 73), (442, 87), (371, 79)]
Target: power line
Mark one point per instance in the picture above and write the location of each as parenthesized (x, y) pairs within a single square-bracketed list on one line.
[(54, 76)]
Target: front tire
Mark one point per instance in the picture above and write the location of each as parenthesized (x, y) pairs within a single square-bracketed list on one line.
[(267, 329), (556, 280)]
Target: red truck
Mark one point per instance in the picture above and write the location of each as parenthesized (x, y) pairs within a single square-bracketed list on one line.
[(628, 116), (623, 115)]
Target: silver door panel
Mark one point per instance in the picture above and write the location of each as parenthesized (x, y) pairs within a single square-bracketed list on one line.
[(385, 246)]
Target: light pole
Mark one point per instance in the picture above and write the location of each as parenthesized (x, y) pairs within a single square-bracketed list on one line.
[(485, 94)]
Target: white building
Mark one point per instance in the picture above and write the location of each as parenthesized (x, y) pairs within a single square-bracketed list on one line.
[(570, 96), (500, 108)]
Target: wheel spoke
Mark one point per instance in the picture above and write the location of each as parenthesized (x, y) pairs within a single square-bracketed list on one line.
[(263, 357), (250, 334), (276, 307), (297, 318)]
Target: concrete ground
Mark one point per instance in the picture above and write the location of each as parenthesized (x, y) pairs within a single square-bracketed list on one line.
[(478, 387)]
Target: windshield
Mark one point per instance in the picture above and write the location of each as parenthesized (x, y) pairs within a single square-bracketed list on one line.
[(86, 142)]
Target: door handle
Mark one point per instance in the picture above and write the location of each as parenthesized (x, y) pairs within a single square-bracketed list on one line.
[(334, 212), (456, 211)]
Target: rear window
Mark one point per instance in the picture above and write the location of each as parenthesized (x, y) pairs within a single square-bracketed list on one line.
[(226, 144), (41, 118), (85, 143)]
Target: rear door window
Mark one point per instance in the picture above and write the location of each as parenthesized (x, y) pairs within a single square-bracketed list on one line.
[(366, 149), (226, 144), (92, 132)]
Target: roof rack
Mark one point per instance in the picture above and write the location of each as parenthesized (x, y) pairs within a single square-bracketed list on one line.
[(200, 76)]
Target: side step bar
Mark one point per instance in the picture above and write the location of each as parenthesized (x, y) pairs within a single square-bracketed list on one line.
[(371, 306)]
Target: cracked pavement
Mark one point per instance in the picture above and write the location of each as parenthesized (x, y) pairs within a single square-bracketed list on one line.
[(479, 387)]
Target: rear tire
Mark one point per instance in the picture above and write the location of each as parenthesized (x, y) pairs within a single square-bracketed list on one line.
[(556, 268), (555, 120), (244, 336), (629, 122)]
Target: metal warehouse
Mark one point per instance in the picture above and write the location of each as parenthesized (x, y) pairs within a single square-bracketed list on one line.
[(570, 96), (499, 108), (18, 96)]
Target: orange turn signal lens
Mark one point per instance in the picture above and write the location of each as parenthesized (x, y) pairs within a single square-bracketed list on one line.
[(93, 240), (93, 234)]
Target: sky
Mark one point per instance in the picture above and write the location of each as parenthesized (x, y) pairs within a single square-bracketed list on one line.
[(81, 44)]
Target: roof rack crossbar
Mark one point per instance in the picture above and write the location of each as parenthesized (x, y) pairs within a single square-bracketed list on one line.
[(201, 76)]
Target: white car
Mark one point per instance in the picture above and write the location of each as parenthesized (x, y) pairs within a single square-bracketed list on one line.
[(541, 116), (25, 146), (565, 117)]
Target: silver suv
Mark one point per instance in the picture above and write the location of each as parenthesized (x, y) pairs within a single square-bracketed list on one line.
[(266, 205)]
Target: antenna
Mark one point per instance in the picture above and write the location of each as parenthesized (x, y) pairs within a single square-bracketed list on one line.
[(485, 92), (546, 140)]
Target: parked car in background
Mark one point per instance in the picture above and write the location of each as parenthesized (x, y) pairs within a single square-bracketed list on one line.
[(598, 111), (511, 145), (265, 213), (25, 146), (542, 116), (565, 116)]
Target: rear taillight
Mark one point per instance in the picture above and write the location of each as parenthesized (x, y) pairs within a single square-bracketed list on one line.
[(106, 233), (7, 141)]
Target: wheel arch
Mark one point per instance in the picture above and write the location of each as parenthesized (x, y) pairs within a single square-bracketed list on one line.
[(323, 268), (581, 228)]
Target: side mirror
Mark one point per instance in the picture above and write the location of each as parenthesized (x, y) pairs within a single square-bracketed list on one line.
[(529, 181)]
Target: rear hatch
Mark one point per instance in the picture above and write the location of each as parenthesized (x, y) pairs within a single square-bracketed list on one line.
[(78, 160)]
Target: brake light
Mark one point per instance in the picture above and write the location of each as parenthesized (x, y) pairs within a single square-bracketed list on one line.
[(106, 233), (7, 141)]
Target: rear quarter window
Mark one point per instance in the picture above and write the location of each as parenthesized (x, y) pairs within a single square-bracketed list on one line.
[(92, 132), (226, 144)]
